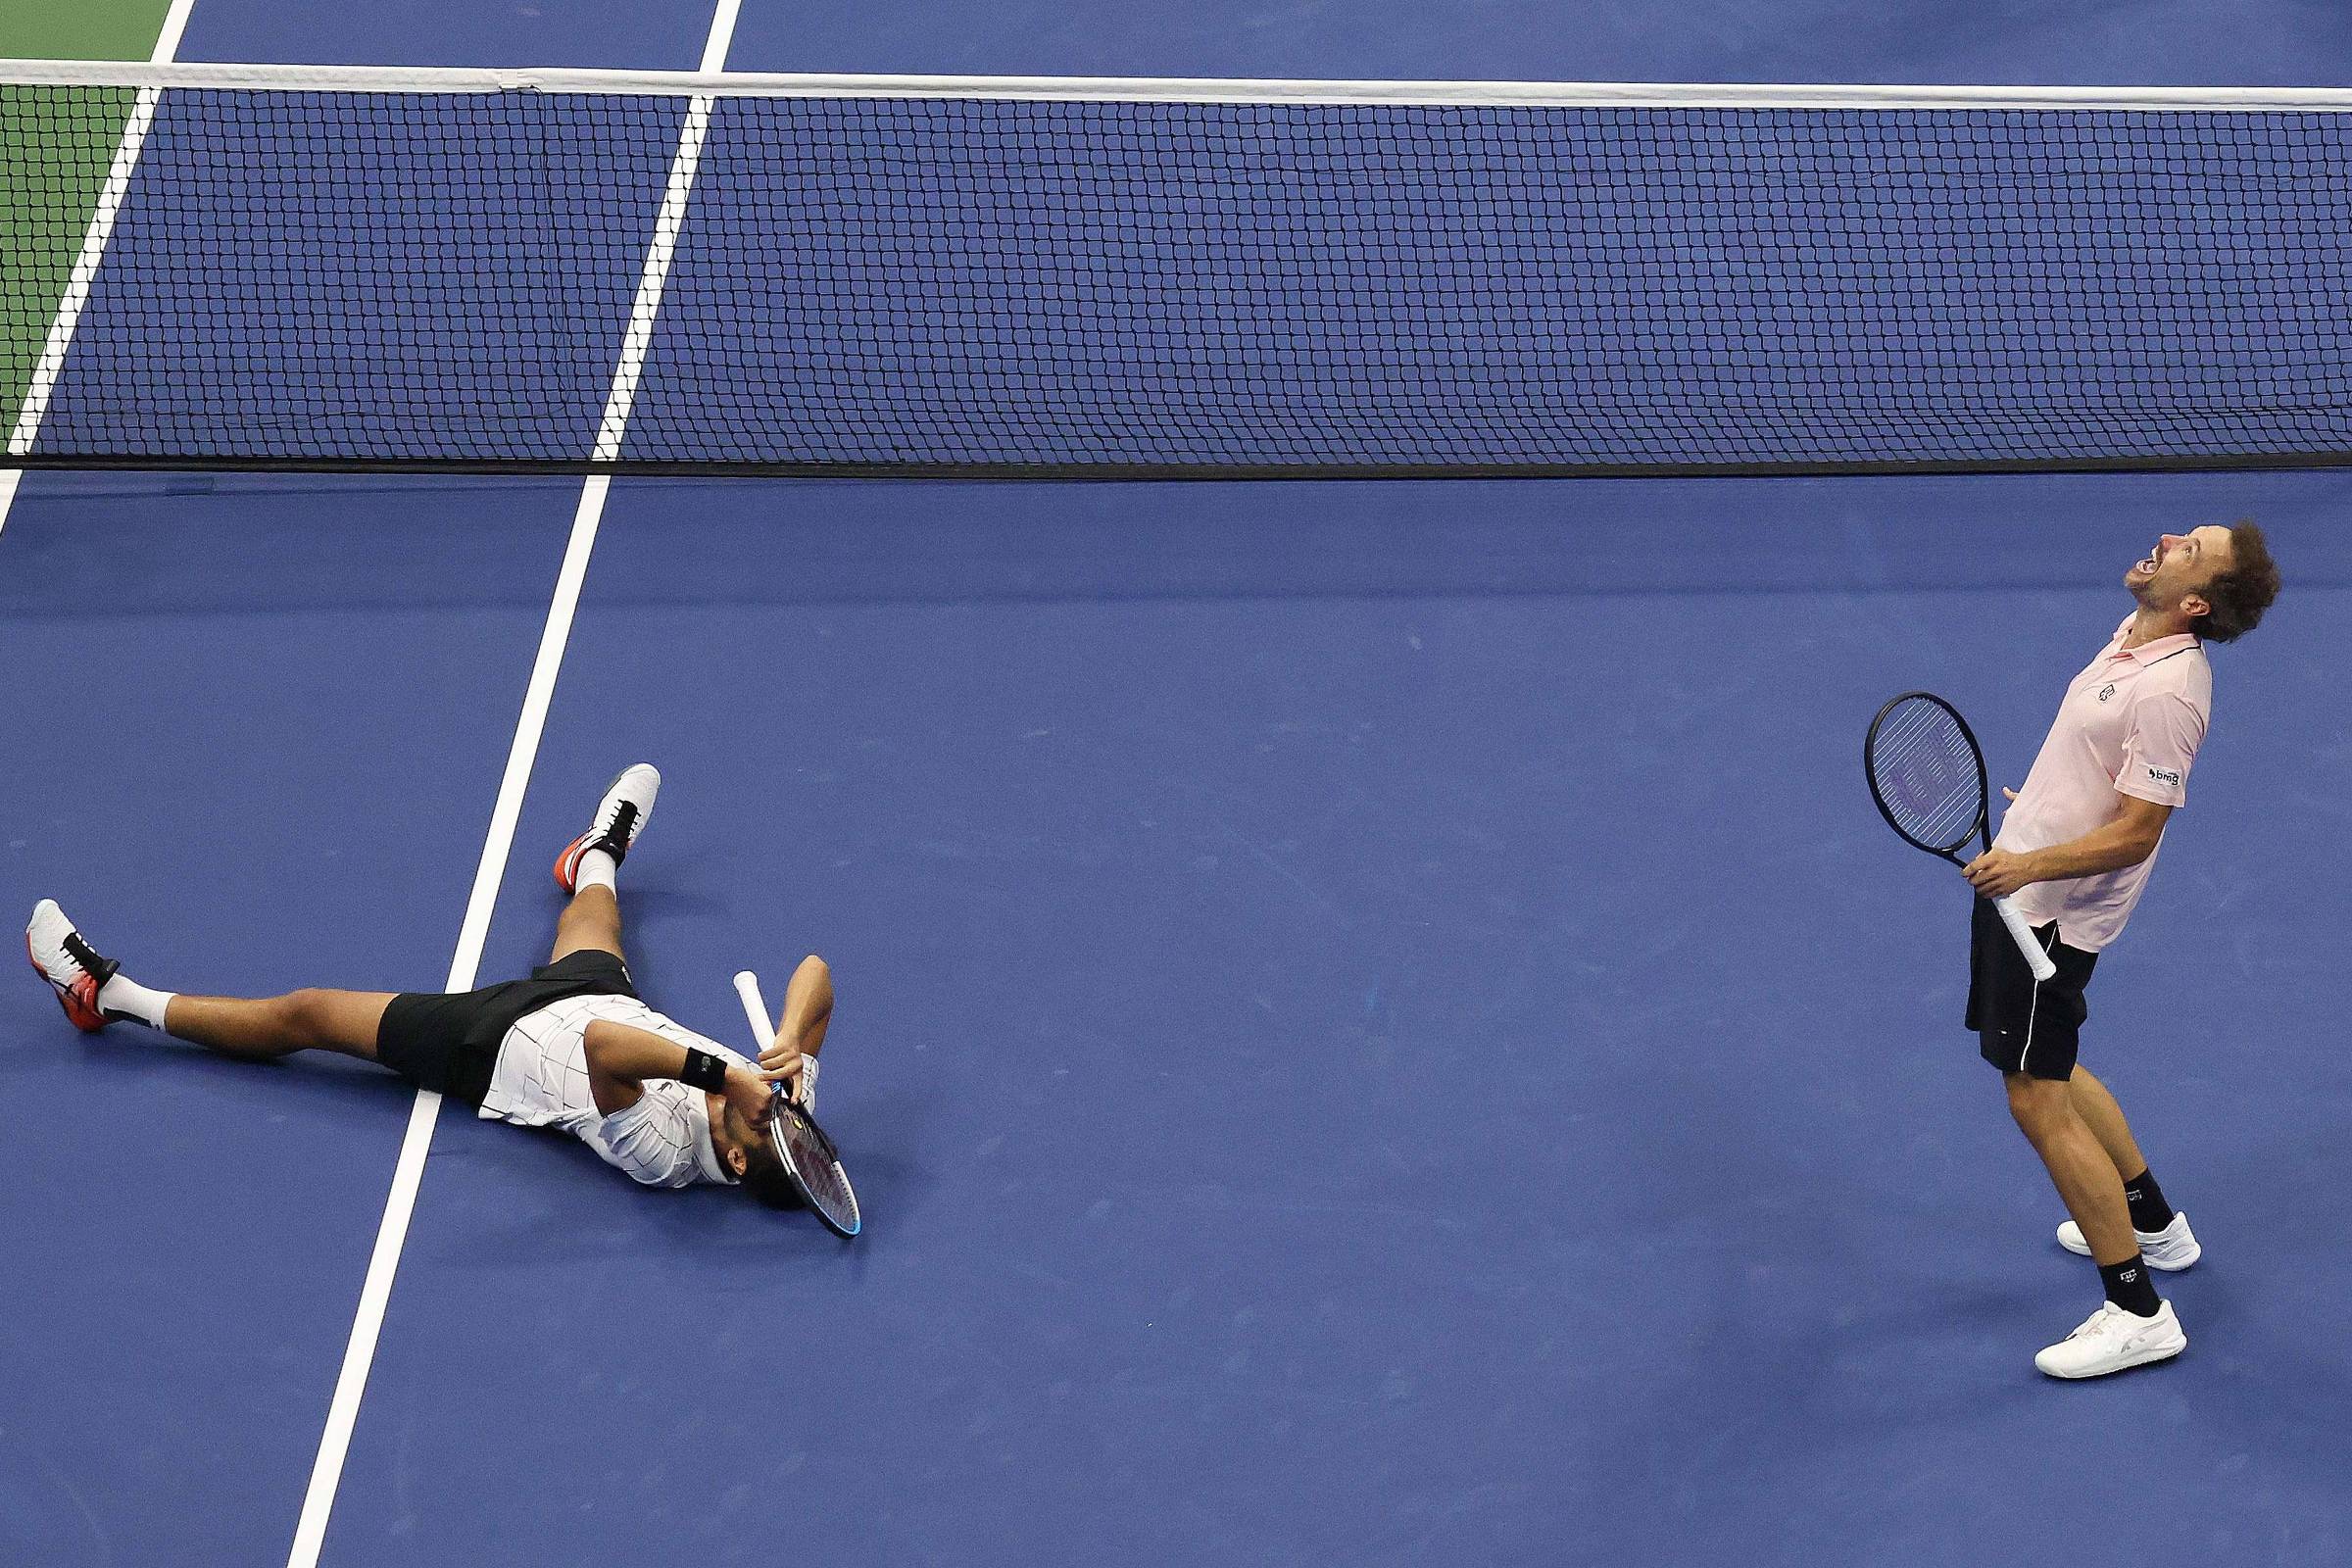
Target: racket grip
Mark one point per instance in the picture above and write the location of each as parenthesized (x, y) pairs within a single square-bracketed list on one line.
[(2035, 959), (764, 1026)]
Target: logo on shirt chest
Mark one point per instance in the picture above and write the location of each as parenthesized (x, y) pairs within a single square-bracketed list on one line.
[(2106, 691)]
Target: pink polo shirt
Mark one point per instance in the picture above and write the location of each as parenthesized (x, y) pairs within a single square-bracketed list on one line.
[(2130, 723)]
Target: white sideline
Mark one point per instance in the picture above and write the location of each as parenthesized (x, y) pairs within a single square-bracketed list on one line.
[(1177, 89), (52, 361), (375, 1292), (166, 41), (334, 1442)]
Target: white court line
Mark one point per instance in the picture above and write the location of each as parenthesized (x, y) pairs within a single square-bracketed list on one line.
[(343, 1411), (52, 361), (722, 34), (175, 23)]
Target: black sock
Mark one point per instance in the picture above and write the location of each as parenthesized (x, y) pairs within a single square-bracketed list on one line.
[(2150, 1213), (2127, 1286)]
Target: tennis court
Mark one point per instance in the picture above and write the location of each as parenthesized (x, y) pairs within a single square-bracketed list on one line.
[(1377, 1022)]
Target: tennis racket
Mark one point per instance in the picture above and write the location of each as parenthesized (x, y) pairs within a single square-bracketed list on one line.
[(1927, 774), (808, 1155)]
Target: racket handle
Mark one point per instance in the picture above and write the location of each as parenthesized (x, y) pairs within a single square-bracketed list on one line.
[(764, 1026), (2035, 959)]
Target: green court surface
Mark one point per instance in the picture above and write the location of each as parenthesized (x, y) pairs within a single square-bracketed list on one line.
[(81, 30), (54, 151)]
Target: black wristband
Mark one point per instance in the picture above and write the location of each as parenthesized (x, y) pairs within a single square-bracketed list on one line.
[(704, 1071)]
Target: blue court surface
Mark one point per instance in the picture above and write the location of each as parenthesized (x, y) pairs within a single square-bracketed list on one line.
[(1377, 1025)]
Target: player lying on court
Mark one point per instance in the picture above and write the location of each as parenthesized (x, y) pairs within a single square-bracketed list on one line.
[(571, 1047), (2074, 849)]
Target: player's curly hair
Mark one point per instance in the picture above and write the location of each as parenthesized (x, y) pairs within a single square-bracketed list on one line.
[(2236, 598)]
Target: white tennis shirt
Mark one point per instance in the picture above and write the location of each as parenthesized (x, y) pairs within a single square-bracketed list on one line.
[(542, 1081), (2131, 724)]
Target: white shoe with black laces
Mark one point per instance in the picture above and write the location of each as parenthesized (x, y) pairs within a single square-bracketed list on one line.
[(2112, 1340), (620, 818), (2171, 1249), (73, 970)]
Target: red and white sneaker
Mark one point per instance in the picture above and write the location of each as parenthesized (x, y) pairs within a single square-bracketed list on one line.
[(72, 969), (620, 818)]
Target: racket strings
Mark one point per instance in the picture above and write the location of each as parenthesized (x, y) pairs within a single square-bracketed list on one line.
[(830, 1192), (1925, 771), (820, 1171)]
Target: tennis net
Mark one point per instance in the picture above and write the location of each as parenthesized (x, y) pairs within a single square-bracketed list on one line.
[(261, 267)]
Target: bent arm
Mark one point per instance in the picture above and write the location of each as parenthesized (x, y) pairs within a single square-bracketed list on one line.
[(2126, 838), (808, 1010), (621, 1059)]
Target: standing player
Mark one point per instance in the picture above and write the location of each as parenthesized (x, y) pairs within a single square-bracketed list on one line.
[(2076, 849), (571, 1047)]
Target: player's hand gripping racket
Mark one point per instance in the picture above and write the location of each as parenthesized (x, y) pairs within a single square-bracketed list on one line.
[(807, 1154), (1927, 774)]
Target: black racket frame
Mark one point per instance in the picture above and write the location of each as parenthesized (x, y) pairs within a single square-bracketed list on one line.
[(786, 1106)]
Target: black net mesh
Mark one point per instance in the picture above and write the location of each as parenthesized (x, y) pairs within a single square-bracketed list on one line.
[(975, 285)]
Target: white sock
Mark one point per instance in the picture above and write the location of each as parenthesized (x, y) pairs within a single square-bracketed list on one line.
[(595, 870), (127, 997)]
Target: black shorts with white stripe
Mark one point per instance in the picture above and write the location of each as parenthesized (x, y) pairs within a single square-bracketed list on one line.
[(2022, 1024), (448, 1042)]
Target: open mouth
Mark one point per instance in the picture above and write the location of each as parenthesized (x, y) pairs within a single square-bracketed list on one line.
[(2151, 561)]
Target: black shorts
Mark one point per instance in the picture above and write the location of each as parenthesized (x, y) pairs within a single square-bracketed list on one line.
[(448, 1041), (2022, 1024)]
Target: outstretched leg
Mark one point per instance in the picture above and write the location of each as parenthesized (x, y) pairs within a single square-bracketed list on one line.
[(266, 1028), (94, 992)]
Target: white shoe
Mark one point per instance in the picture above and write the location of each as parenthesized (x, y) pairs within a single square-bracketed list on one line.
[(2171, 1249), (620, 818), (2111, 1339)]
